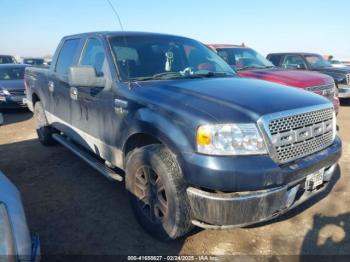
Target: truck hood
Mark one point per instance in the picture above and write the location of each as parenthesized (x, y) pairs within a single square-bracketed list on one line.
[(295, 78), (336, 70), (226, 99), (339, 74), (12, 84)]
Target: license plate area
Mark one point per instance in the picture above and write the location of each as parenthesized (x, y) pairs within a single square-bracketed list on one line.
[(314, 180)]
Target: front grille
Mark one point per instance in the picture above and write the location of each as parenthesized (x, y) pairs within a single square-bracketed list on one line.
[(17, 92), (327, 91), (296, 136), (348, 79)]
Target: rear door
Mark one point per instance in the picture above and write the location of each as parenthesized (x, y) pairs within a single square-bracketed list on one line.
[(58, 83)]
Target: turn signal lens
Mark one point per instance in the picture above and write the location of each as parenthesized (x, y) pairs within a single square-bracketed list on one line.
[(203, 136)]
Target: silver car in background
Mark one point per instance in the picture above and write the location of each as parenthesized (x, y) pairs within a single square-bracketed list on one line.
[(16, 244)]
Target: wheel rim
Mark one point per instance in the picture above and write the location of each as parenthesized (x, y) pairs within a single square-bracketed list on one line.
[(151, 195)]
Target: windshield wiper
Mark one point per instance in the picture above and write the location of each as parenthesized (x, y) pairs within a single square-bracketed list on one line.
[(211, 74), (165, 75), (174, 75)]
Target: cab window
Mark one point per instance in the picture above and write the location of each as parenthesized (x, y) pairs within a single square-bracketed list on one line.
[(94, 55), (294, 61), (67, 55)]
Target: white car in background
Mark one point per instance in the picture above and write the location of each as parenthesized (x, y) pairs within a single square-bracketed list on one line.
[(337, 63), (345, 61)]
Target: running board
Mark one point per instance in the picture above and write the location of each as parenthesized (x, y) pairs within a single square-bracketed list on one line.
[(88, 158)]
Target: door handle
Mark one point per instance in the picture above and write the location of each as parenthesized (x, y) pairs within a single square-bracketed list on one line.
[(73, 93), (120, 105)]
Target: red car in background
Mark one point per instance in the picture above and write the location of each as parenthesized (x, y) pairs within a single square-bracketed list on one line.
[(249, 63)]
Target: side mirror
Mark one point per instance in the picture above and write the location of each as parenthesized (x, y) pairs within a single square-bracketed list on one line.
[(85, 76)]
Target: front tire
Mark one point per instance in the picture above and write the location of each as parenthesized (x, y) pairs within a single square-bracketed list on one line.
[(157, 192), (43, 129)]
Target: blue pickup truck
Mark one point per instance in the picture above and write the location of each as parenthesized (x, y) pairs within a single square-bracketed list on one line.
[(196, 144)]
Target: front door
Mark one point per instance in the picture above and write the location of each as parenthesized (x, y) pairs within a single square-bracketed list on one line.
[(93, 107)]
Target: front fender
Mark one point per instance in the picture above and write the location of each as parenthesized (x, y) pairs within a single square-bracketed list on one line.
[(174, 135)]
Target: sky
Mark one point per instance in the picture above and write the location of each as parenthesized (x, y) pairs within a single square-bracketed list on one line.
[(35, 27)]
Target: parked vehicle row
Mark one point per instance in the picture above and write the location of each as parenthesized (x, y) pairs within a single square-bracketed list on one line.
[(33, 61), (314, 62), (249, 63), (200, 145)]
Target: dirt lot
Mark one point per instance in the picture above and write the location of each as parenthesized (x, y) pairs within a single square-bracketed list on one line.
[(77, 211)]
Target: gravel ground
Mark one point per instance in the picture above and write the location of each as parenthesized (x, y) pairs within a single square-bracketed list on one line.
[(77, 211)]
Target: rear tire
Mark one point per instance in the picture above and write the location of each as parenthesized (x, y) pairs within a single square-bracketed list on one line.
[(43, 129), (157, 192)]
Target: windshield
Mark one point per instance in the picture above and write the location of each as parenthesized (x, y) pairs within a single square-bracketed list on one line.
[(11, 73), (7, 60), (244, 58), (33, 61), (317, 61), (164, 57)]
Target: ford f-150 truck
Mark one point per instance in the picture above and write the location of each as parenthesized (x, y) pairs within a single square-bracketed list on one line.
[(250, 63), (198, 144)]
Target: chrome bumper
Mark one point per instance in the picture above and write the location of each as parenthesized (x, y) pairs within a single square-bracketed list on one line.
[(344, 91)]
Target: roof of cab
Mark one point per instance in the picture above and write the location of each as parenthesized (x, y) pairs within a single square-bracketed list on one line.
[(119, 33), (219, 46), (13, 65), (293, 53)]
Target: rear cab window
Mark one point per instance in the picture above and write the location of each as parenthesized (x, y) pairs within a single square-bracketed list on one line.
[(67, 56), (275, 59), (293, 61)]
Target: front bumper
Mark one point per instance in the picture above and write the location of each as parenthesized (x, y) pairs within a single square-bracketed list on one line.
[(12, 102), (226, 210), (252, 173), (344, 91)]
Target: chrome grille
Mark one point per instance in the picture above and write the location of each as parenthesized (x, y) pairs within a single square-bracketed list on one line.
[(17, 92), (289, 153), (327, 91), (298, 135)]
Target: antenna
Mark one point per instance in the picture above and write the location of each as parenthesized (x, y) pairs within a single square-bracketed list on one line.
[(124, 38), (116, 14)]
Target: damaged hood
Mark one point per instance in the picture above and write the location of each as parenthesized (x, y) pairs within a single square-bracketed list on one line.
[(224, 99)]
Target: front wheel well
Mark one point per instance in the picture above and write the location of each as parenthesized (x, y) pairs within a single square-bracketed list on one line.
[(35, 98), (139, 140)]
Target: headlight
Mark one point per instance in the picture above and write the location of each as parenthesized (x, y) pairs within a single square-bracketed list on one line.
[(6, 239), (4, 92), (230, 139)]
